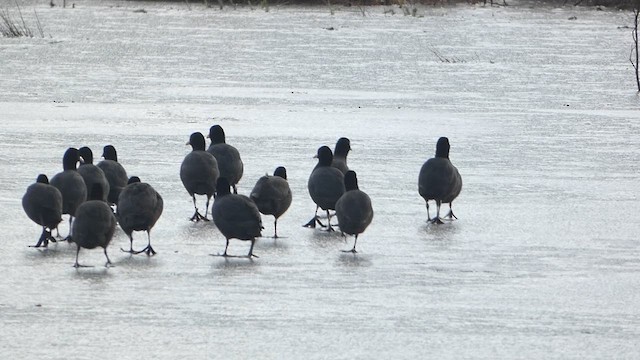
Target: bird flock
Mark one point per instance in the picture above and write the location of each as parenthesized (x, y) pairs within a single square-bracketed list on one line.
[(100, 197)]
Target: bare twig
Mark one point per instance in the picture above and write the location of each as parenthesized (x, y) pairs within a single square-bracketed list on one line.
[(24, 24), (331, 11), (38, 24), (634, 48)]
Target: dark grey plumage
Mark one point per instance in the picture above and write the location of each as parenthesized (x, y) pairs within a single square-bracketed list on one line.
[(236, 216), (229, 161), (199, 173), (92, 174), (114, 172), (272, 195), (439, 180), (139, 208), (343, 146), (42, 203), (325, 185), (71, 185), (353, 209), (95, 224)]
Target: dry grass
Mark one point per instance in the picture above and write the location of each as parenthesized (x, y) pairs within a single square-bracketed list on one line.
[(16, 26)]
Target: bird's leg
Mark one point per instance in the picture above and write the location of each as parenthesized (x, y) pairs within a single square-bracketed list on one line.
[(235, 189), (275, 228), (437, 220), (150, 250), (225, 248), (250, 255), (108, 263), (428, 215), (46, 234), (329, 227), (197, 216), (43, 239), (450, 215), (130, 251), (69, 237), (353, 250), (206, 210), (76, 265), (50, 237)]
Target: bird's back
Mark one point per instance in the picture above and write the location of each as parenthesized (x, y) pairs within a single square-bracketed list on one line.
[(340, 163), (116, 176), (43, 204), (73, 189), (437, 178), (237, 216), (94, 225), (199, 173), (354, 212), (272, 195), (229, 161), (91, 174), (139, 207), (326, 185)]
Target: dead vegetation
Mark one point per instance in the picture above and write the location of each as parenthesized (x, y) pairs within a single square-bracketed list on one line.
[(12, 25)]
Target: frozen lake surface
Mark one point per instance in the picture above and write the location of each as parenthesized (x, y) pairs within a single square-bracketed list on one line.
[(543, 120)]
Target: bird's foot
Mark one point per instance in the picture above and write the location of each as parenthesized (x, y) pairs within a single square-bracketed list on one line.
[(225, 255), (68, 239), (450, 216), (148, 250), (197, 217), (43, 241), (76, 265), (436, 220), (312, 223), (353, 251)]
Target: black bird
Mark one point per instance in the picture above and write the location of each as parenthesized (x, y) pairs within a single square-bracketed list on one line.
[(353, 209), (272, 195), (343, 146), (326, 185), (43, 204), (92, 174), (236, 216), (114, 171), (95, 224), (139, 207), (71, 185), (229, 161), (439, 180), (199, 173)]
